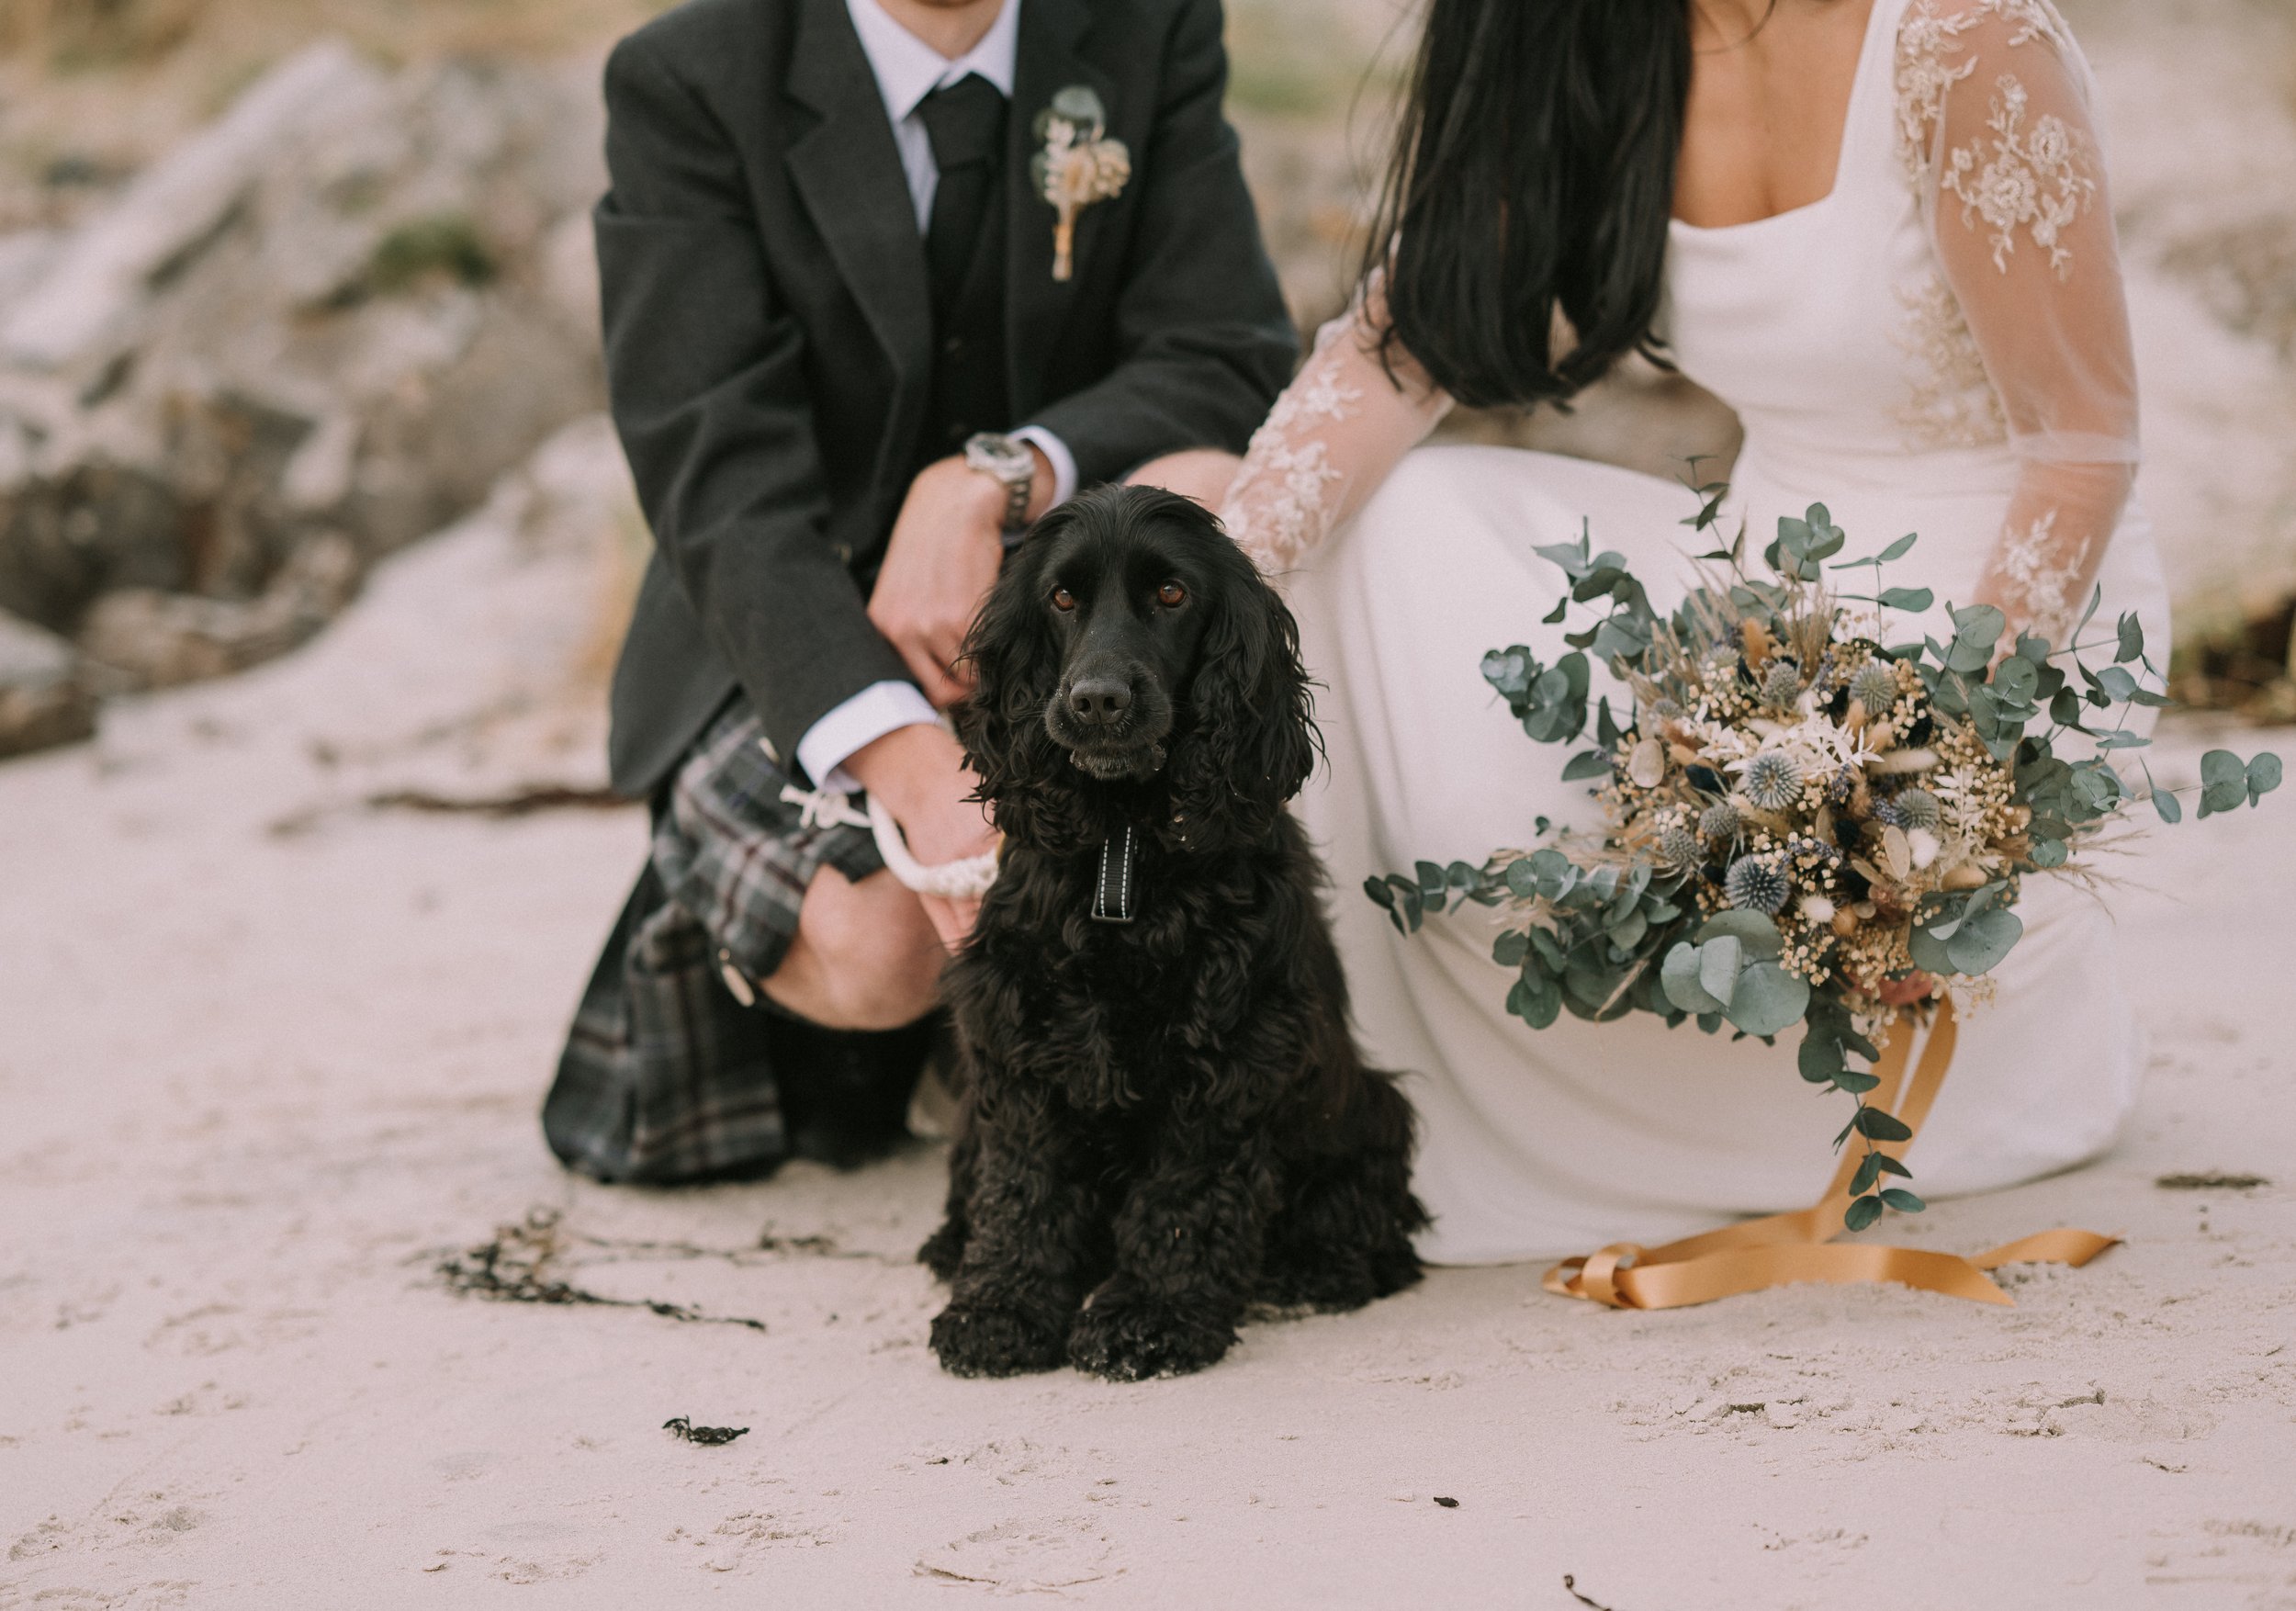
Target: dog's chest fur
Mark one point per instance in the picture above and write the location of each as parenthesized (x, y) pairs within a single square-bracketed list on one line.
[(1165, 1007)]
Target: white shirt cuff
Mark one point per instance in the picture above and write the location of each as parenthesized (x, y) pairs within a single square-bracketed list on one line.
[(869, 716), (1064, 461)]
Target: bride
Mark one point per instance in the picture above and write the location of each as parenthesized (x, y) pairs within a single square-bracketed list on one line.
[(1879, 229)]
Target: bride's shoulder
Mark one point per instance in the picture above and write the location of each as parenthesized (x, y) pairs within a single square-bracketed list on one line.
[(1994, 45), (1950, 36)]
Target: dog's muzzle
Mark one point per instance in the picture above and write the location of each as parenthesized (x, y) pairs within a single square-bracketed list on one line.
[(1111, 728)]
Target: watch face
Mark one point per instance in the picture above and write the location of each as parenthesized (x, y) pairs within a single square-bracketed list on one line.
[(999, 455)]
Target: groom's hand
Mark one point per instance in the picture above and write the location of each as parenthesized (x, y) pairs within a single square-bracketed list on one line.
[(920, 773), (940, 565)]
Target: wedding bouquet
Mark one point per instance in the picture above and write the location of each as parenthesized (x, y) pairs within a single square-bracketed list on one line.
[(1804, 825)]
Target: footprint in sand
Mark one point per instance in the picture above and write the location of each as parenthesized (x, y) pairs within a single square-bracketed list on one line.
[(1025, 1557)]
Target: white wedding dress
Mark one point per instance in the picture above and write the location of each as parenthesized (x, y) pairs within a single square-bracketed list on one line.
[(1940, 345)]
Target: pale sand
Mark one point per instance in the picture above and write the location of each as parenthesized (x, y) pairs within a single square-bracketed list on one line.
[(266, 1053)]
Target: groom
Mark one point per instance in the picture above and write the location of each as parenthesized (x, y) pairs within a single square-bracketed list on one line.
[(848, 370)]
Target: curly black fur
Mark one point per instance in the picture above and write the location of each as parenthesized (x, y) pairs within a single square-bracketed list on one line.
[(1169, 1120)]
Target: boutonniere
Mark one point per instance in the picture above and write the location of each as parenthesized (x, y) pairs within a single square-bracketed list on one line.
[(1078, 166)]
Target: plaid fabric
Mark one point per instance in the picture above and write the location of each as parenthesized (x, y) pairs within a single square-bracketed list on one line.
[(667, 1076)]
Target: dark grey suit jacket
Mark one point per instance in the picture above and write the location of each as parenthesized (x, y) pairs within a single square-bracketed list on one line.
[(768, 326)]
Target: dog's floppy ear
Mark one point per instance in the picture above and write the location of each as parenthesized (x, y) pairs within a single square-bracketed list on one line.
[(1025, 776), (1250, 738)]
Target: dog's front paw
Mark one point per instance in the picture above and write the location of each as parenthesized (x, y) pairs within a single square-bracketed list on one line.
[(977, 1336), (1130, 1338)]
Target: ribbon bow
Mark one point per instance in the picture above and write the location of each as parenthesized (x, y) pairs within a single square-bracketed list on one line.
[(1780, 1248)]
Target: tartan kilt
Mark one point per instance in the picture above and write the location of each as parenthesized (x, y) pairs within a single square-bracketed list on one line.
[(667, 1076)]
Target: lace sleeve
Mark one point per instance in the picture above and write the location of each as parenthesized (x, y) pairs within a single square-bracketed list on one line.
[(1329, 442), (1994, 103)]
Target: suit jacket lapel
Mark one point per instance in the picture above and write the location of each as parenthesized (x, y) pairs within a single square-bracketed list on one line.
[(1036, 305), (848, 172)]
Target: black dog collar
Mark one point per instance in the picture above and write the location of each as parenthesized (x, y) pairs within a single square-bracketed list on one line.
[(1112, 895)]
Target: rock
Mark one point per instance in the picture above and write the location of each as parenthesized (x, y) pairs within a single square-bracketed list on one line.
[(321, 328), (64, 540), (42, 699), (25, 255), (145, 639), (102, 276)]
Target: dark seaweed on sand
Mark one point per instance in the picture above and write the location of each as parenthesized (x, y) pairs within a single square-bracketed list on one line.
[(708, 1437), (515, 1267)]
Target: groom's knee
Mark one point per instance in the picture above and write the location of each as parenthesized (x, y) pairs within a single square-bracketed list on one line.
[(1201, 473), (865, 956)]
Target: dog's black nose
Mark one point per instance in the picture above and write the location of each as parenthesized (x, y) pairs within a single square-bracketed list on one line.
[(1099, 700)]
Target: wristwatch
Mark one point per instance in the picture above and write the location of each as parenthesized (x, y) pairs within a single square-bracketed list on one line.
[(1012, 465)]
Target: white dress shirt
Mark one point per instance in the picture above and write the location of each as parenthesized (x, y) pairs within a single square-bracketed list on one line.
[(908, 69)]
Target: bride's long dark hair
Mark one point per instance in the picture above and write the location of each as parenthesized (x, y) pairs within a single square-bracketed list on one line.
[(1533, 173)]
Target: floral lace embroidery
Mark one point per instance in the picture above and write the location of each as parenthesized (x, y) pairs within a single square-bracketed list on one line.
[(1279, 504), (2037, 176), (1952, 403), (2040, 577)]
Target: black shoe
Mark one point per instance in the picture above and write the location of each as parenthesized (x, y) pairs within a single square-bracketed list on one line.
[(845, 1093)]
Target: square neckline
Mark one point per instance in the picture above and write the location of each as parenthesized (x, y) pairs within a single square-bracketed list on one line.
[(1850, 124)]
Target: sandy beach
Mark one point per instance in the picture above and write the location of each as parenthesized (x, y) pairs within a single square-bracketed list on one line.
[(272, 1055), (297, 1311)]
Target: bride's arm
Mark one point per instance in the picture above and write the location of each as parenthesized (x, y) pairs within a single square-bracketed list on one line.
[(1330, 440), (1996, 100)]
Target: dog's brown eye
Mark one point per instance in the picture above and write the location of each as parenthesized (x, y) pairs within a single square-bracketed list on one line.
[(1172, 595), (1062, 600)]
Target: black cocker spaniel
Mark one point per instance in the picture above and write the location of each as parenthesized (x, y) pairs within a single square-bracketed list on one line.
[(1168, 1118)]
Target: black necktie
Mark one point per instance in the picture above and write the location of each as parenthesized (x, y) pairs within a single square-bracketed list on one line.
[(965, 121)]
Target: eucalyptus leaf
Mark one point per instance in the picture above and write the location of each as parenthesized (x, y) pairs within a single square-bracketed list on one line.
[(1907, 598), (2264, 776), (1537, 1001), (1928, 952), (1679, 975), (1721, 963), (2223, 782), (1903, 1201), (1570, 557), (2131, 637), (1549, 952), (1756, 932), (1983, 940), (1876, 1125), (1767, 998), (2017, 680), (1627, 932), (1820, 1057), (1861, 1212)]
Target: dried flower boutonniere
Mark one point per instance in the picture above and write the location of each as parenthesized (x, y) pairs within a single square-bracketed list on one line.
[(1078, 166)]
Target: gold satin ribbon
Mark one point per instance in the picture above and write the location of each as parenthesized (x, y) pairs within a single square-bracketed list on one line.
[(1783, 1248)]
